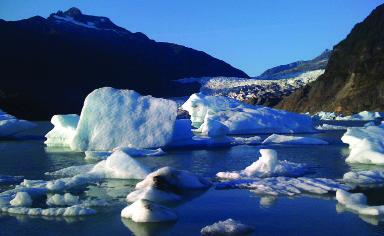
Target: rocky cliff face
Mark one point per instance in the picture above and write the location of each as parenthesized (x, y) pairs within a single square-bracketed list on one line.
[(354, 77), (50, 65)]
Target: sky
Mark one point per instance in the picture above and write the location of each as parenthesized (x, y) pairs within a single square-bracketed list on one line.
[(252, 35)]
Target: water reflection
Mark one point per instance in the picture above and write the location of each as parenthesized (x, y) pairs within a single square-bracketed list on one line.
[(147, 229)]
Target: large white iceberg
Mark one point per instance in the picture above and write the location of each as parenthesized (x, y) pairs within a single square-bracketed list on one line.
[(287, 139), (267, 165), (10, 125), (146, 211), (113, 118), (227, 227), (366, 145), (216, 115), (63, 131)]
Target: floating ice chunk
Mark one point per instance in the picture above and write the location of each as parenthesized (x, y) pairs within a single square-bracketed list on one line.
[(147, 211), (76, 210), (119, 166), (22, 199), (286, 139), (72, 170), (267, 165), (241, 118), (152, 194), (123, 118), (366, 145), (245, 141), (10, 125), (63, 131), (168, 178), (286, 186), (357, 202), (63, 200), (365, 178), (364, 115), (135, 152), (331, 127), (227, 227), (212, 127)]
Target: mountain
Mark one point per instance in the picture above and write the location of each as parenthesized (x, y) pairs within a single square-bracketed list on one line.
[(50, 65), (354, 78), (270, 87)]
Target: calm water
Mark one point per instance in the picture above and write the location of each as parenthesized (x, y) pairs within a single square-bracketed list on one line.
[(302, 215)]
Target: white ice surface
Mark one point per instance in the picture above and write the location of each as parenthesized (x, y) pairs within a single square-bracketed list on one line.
[(364, 115), (287, 139), (226, 227), (10, 125), (22, 199), (266, 166), (66, 199), (147, 211), (113, 118), (366, 145), (357, 202), (152, 193), (63, 131), (365, 178), (331, 127)]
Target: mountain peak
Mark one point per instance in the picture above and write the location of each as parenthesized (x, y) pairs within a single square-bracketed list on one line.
[(73, 11)]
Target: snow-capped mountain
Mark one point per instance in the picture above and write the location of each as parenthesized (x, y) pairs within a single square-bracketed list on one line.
[(50, 64), (268, 88)]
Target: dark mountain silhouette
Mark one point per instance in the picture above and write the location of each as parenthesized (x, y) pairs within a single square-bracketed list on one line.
[(49, 65), (354, 77)]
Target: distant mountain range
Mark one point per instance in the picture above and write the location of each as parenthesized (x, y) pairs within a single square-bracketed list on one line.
[(50, 65), (354, 77)]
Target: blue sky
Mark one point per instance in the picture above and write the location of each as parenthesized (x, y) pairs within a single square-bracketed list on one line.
[(252, 35)]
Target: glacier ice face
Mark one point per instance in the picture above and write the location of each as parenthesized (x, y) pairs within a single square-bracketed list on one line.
[(286, 139), (63, 131), (364, 115), (226, 227), (366, 145), (241, 118), (267, 165), (113, 118), (147, 211), (10, 125)]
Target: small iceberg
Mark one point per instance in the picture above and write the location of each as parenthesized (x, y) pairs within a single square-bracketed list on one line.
[(266, 166), (226, 227), (144, 211), (22, 199), (10, 125), (63, 131), (366, 145), (357, 202), (287, 139)]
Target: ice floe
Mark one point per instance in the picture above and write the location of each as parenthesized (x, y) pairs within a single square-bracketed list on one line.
[(365, 178), (67, 211), (113, 118), (63, 131), (331, 127), (286, 186), (366, 145), (287, 139), (357, 202), (154, 194), (147, 211), (10, 125), (266, 166), (66, 199), (226, 227), (241, 118), (323, 115)]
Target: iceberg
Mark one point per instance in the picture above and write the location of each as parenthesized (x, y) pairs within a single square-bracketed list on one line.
[(143, 211), (366, 145), (226, 227), (286, 139), (211, 114), (266, 166), (10, 125), (152, 194), (113, 118), (63, 131), (357, 202), (275, 186)]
